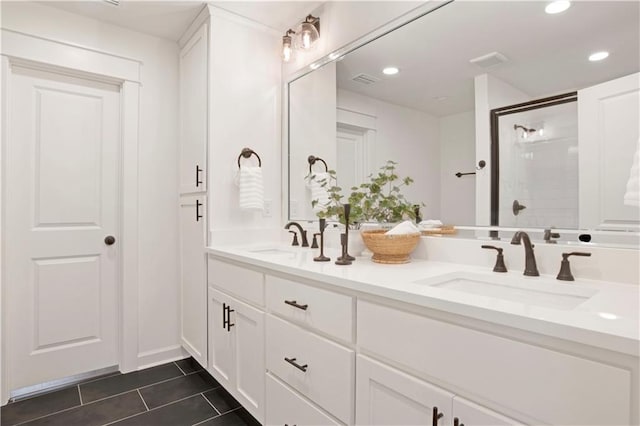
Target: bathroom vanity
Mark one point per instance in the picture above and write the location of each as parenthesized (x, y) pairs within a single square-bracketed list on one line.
[(301, 342)]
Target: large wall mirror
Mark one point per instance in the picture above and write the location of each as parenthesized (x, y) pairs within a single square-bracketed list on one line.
[(477, 84)]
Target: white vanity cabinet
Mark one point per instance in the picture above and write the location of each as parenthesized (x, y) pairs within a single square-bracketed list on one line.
[(236, 333), (309, 348), (546, 386), (193, 277)]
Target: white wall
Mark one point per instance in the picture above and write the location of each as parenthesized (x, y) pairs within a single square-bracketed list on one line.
[(458, 154), (158, 150), (490, 93), (245, 110), (409, 137)]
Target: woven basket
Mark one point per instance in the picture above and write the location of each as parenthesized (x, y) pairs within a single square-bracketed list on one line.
[(390, 248)]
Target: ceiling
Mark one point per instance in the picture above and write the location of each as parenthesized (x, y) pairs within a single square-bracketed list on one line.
[(169, 19), (547, 54)]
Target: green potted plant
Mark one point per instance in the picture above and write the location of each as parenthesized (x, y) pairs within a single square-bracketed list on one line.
[(380, 199)]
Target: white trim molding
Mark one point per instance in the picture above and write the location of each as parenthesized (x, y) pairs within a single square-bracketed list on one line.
[(61, 57), (161, 356)]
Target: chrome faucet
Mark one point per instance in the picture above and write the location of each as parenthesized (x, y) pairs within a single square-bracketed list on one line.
[(530, 267), (303, 232)]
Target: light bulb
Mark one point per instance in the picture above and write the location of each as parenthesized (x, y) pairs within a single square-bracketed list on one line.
[(286, 53), (306, 40)]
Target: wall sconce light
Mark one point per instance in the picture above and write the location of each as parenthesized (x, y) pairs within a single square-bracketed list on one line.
[(304, 37)]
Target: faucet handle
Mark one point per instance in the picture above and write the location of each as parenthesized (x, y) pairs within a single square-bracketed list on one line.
[(314, 243), (565, 266), (499, 266), (295, 238), (549, 235)]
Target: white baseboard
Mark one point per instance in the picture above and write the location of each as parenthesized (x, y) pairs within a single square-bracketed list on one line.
[(161, 356)]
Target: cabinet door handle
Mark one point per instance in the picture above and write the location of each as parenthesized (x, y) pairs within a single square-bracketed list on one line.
[(456, 422), (296, 305), (198, 181), (198, 215), (229, 324), (224, 315), (436, 416), (293, 362)]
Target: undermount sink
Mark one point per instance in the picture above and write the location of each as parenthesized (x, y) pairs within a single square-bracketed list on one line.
[(529, 291)]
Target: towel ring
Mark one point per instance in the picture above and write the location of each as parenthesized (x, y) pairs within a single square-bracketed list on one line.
[(312, 160), (246, 153)]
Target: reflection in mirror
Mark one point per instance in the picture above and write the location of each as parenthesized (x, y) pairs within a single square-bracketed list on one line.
[(457, 64)]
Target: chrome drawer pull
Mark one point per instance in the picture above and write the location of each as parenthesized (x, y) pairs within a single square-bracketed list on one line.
[(293, 362), (296, 305)]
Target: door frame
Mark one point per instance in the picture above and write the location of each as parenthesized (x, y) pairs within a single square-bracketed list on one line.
[(74, 60)]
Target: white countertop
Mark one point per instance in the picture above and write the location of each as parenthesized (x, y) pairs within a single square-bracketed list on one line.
[(609, 319)]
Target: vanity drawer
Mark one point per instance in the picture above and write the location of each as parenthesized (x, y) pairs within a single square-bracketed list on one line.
[(329, 376), (550, 386), (245, 283), (286, 407), (324, 310)]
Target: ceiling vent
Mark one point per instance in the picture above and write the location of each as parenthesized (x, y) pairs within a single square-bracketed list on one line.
[(489, 60), (365, 78)]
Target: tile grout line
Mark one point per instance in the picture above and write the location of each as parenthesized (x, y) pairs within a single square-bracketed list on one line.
[(210, 403), (143, 401), (181, 370), (206, 420), (80, 395), (153, 409)]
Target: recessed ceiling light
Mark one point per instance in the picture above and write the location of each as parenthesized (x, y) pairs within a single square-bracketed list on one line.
[(557, 6), (390, 71), (598, 56)]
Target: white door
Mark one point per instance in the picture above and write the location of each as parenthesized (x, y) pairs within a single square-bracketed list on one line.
[(193, 277), (609, 129), (386, 396), (62, 201), (352, 165)]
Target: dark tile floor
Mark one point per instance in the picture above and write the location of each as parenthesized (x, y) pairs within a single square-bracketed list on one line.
[(174, 394)]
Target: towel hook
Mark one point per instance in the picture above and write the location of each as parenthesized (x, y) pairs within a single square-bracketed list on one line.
[(312, 160), (248, 152)]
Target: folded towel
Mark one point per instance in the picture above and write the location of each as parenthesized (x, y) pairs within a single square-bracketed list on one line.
[(406, 227), (632, 196), (319, 192), (249, 180), (430, 224)]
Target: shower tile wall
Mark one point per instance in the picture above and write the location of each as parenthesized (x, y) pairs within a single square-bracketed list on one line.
[(540, 171)]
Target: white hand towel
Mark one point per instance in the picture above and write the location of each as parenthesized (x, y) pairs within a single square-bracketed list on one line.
[(406, 227), (251, 188), (319, 192), (632, 196)]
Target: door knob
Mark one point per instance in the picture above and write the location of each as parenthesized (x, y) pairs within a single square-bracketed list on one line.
[(109, 240)]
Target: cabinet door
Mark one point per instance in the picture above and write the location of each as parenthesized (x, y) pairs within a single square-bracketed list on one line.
[(193, 277), (386, 396), (193, 113), (471, 414), (221, 362), (248, 340)]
